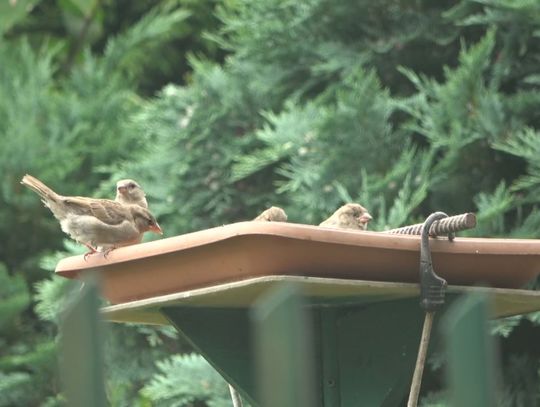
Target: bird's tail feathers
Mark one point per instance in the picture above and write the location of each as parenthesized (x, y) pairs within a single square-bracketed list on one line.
[(40, 188)]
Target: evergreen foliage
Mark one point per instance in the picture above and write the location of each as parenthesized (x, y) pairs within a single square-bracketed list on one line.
[(406, 107), (183, 380)]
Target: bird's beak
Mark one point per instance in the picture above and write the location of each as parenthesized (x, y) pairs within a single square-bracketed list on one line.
[(156, 229), (365, 218), (122, 190)]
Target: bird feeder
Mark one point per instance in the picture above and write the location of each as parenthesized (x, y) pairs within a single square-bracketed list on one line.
[(361, 290)]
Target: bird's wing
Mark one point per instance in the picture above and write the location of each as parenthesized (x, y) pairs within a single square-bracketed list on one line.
[(107, 211)]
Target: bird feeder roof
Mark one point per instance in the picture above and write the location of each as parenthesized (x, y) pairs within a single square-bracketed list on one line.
[(228, 265)]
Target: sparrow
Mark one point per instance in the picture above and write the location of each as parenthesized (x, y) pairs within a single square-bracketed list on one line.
[(272, 214), (128, 192), (95, 222), (349, 216)]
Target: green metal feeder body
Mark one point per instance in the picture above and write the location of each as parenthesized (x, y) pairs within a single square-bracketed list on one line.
[(334, 313)]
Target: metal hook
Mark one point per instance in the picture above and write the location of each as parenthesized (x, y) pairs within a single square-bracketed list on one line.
[(432, 287)]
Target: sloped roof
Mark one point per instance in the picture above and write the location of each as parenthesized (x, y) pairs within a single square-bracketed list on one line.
[(260, 252)]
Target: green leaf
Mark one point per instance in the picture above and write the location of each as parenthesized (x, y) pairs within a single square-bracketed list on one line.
[(14, 297), (13, 12)]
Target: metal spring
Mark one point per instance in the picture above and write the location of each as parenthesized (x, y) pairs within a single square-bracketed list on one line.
[(440, 227)]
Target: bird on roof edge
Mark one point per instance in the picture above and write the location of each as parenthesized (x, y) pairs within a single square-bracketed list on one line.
[(96, 222), (272, 214), (349, 216), (129, 192)]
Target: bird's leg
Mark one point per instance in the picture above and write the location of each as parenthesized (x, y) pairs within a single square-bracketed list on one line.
[(108, 250), (92, 251)]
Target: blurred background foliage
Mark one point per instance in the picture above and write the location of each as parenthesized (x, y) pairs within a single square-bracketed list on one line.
[(222, 108)]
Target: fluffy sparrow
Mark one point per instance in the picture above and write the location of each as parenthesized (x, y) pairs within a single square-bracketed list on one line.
[(349, 216), (272, 214), (95, 222), (128, 192)]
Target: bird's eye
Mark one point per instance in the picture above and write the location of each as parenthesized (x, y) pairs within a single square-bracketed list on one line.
[(131, 186), (150, 222)]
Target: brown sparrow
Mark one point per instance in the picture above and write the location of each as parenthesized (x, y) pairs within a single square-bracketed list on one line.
[(349, 216), (128, 192), (272, 214), (95, 222)]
